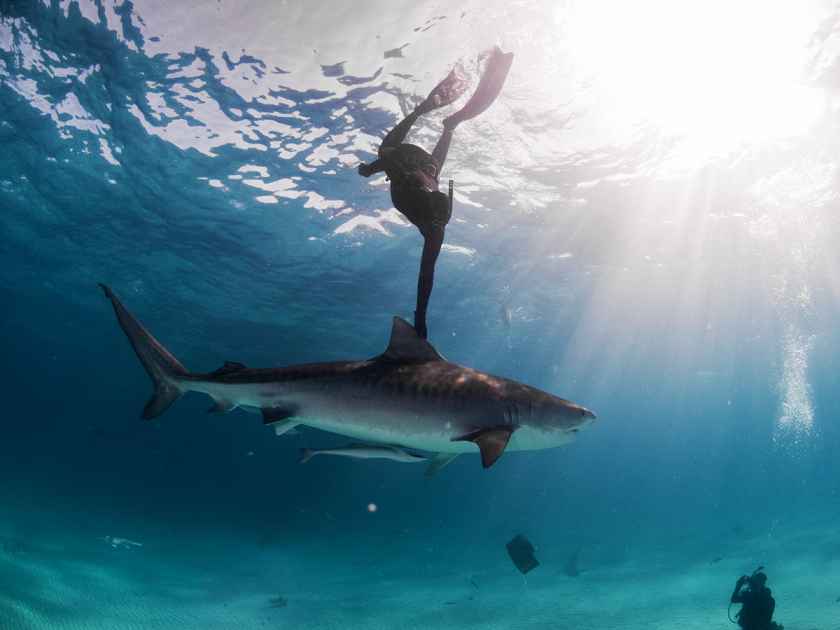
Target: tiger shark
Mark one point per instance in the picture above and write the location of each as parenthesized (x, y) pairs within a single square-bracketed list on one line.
[(408, 396)]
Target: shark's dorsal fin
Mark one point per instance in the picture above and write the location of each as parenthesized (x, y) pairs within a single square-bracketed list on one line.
[(407, 346)]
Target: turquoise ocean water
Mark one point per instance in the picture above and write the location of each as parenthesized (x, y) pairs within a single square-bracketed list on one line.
[(646, 222)]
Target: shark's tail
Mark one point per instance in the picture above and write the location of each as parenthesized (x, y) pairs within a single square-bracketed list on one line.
[(306, 454), (165, 371)]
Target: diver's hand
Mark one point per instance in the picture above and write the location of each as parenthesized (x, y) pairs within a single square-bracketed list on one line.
[(365, 170)]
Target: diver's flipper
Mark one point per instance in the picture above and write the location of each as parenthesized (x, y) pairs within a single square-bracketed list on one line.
[(493, 78), (444, 93), (438, 462), (491, 442)]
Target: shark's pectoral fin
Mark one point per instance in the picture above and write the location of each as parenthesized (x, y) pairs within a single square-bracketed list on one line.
[(491, 442), (438, 462), (221, 405)]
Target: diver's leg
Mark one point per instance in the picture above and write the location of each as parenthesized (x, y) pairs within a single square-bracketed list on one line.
[(442, 146), (443, 93), (433, 241), (396, 136)]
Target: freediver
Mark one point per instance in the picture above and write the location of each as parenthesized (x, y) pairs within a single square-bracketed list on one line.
[(757, 603), (414, 173)]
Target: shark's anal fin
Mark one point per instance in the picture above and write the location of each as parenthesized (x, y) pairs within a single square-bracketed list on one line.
[(284, 426), (439, 462), (278, 414), (491, 442), (407, 346)]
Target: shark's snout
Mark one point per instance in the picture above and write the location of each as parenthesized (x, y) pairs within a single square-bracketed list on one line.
[(581, 414)]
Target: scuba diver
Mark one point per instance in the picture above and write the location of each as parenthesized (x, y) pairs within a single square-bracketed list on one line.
[(757, 603), (414, 174)]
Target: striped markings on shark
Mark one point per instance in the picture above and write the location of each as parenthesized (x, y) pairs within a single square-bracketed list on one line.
[(408, 396)]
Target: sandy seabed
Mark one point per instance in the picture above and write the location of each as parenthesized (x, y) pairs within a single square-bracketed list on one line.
[(81, 582)]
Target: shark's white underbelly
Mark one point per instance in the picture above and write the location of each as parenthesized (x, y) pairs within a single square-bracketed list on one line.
[(423, 424)]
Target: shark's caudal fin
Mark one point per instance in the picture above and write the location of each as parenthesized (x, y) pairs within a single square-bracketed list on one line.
[(163, 368)]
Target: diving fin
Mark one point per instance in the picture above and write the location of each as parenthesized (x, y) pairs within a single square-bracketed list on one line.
[(444, 93), (490, 85)]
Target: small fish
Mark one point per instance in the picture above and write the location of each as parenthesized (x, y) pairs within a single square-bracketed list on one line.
[(716, 559), (571, 567), (278, 602), (15, 546), (121, 543), (521, 552), (505, 315), (365, 451)]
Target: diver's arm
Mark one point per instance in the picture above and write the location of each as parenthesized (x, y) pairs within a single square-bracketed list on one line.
[(366, 170), (737, 596), (433, 241)]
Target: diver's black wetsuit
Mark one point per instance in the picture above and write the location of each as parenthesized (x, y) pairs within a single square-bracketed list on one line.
[(414, 173), (414, 191), (758, 605)]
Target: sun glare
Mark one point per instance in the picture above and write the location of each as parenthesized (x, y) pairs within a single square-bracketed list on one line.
[(717, 73)]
